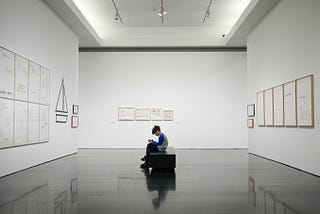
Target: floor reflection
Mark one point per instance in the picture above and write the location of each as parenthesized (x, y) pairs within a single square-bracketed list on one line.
[(46, 189), (278, 189), (160, 181)]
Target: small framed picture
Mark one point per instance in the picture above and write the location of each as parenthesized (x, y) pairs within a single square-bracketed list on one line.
[(75, 109), (250, 123), (74, 121), (168, 115), (251, 110)]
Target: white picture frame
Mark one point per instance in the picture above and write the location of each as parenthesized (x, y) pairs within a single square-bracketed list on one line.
[(126, 113), (143, 114), (156, 114), (278, 113), (168, 115), (305, 101), (268, 107), (260, 108), (290, 109)]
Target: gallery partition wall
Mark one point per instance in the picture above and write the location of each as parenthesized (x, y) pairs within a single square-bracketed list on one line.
[(198, 98)]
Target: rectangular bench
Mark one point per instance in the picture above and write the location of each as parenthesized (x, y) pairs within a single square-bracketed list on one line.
[(166, 159)]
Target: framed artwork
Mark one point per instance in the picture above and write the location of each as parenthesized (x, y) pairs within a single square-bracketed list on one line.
[(168, 115), (260, 108), (126, 113), (305, 101), (268, 107), (290, 108), (143, 114), (61, 118), (156, 114), (74, 121), (75, 109), (250, 123), (251, 110), (278, 114)]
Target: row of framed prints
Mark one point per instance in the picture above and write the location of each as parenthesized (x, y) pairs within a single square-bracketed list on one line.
[(144, 114), (290, 104)]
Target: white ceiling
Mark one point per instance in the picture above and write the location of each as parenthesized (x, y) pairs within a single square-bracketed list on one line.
[(94, 21)]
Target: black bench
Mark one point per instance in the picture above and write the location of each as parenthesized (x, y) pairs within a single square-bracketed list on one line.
[(166, 159)]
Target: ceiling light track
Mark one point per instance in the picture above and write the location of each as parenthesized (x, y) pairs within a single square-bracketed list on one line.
[(208, 12), (117, 16)]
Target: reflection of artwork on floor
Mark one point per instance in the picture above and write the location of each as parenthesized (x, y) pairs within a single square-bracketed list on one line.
[(33, 201), (74, 190), (60, 203)]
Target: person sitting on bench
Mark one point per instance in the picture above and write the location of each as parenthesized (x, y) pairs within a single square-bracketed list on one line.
[(154, 146)]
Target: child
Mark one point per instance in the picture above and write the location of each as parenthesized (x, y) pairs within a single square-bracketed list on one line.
[(154, 146)]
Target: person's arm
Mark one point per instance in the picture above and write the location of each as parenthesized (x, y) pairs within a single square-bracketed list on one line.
[(161, 139)]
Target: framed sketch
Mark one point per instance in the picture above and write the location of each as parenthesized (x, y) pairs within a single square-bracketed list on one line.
[(168, 115), (44, 86), (268, 107), (156, 114), (278, 115), (20, 123), (34, 82), (126, 113), (305, 101), (289, 105), (250, 123), (143, 114), (21, 78), (6, 73), (6, 122), (251, 110), (75, 109), (61, 118), (260, 108), (34, 123), (74, 121)]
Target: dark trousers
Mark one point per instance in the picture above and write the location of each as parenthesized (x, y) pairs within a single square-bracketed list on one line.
[(150, 148)]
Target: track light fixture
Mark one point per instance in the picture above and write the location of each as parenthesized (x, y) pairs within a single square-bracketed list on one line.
[(208, 12), (162, 12), (117, 15)]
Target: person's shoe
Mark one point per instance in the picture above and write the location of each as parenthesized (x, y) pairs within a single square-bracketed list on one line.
[(143, 159), (144, 166)]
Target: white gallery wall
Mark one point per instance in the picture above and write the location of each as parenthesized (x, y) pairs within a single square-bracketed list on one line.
[(207, 92), (284, 47), (32, 30)]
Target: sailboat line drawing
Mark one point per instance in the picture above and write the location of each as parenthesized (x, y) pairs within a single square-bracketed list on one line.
[(62, 105)]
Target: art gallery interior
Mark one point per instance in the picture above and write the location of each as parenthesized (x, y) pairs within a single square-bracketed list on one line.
[(233, 84)]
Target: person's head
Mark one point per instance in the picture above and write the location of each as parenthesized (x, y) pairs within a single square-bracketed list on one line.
[(156, 130)]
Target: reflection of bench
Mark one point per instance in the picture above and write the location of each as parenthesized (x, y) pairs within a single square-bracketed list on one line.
[(166, 159)]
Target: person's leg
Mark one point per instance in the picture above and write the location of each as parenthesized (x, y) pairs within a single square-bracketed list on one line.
[(150, 148)]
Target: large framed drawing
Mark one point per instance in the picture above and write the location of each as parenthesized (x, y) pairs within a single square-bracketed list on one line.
[(305, 101), (6, 73), (126, 113), (44, 123), (260, 108), (21, 78), (34, 82), (143, 114), (268, 107), (20, 123), (44, 86), (289, 105), (278, 106), (34, 123), (6, 123)]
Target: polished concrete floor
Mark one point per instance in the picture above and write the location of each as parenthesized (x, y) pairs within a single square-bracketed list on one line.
[(104, 181)]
